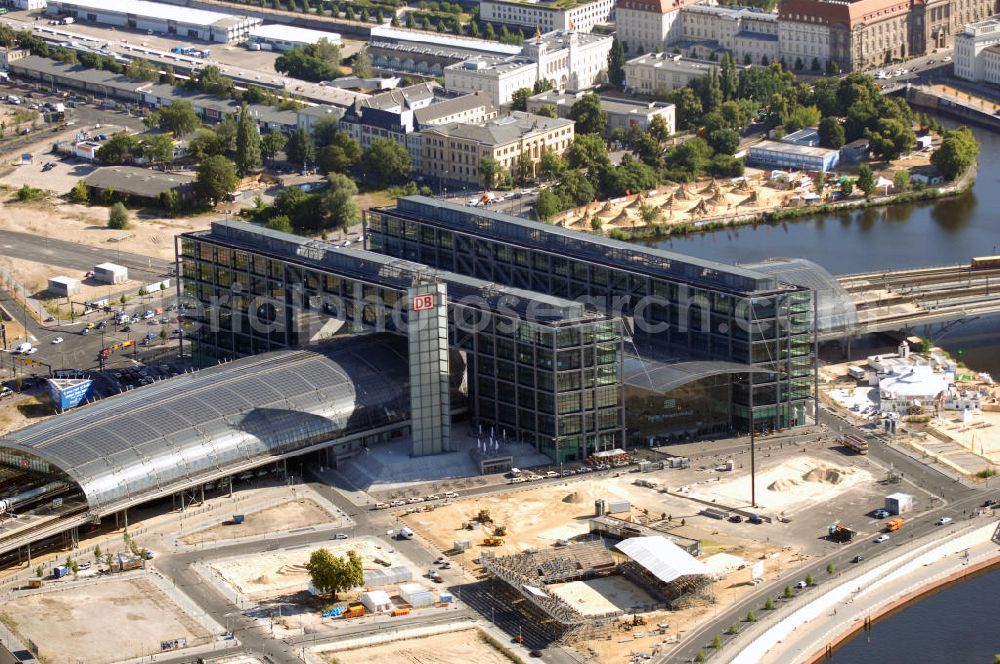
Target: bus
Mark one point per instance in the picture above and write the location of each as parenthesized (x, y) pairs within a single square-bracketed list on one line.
[(855, 444)]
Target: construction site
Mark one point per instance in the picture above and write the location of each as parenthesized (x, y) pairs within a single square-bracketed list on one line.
[(626, 562)]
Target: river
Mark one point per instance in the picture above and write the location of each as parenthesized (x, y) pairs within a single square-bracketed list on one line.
[(959, 624), (924, 234)]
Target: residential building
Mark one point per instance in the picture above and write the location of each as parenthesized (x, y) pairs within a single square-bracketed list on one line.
[(183, 22), (569, 60), (141, 185), (776, 154), (748, 34), (400, 114), (975, 57), (453, 153), (653, 71), (307, 117), (622, 113), (645, 26), (281, 37), (548, 15)]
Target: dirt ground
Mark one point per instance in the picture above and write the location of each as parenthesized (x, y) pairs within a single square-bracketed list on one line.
[(604, 595), (464, 646), (35, 278), (13, 409), (267, 575), (103, 622), (88, 225), (280, 518), (789, 486)]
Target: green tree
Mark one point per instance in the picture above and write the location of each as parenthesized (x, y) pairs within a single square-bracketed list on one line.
[(519, 99), (248, 159), (751, 616), (489, 168), (831, 133), (831, 568), (388, 160), (901, 181), (551, 165), (957, 153), (142, 70), (575, 189), (39, 571), (588, 152), (734, 629), (226, 132), (810, 581), (548, 111), (846, 187), (117, 148), (178, 117), (542, 85), (158, 148), (716, 642), (341, 155), (524, 168), (891, 138), (362, 66), (547, 205), (271, 144), (588, 115), (300, 148), (769, 604), (204, 144), (333, 574), (216, 178), (616, 63), (117, 217), (170, 200), (689, 110), (802, 116), (866, 180), (726, 141), (700, 656), (280, 222), (325, 129), (79, 194), (339, 208), (788, 591)]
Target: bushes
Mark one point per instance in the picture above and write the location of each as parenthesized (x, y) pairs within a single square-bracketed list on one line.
[(117, 217), (27, 194)]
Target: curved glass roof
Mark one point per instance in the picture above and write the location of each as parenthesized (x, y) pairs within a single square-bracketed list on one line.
[(158, 438), (661, 377), (836, 311)]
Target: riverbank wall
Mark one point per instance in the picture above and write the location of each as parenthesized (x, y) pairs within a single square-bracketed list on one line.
[(953, 107), (824, 652)]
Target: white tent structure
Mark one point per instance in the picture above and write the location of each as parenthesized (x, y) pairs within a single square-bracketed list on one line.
[(376, 601), (660, 563), (416, 595)]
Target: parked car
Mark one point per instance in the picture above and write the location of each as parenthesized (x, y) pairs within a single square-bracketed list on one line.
[(57, 340)]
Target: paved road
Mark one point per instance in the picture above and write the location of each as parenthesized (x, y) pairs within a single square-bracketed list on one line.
[(959, 501), (79, 257)]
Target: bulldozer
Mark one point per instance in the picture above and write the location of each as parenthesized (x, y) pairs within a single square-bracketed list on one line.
[(638, 620), (493, 541), (500, 531), (483, 516)]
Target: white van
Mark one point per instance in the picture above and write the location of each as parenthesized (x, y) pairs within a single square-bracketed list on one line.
[(381, 506)]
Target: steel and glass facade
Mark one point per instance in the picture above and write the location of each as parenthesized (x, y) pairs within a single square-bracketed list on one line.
[(542, 369), (681, 306)]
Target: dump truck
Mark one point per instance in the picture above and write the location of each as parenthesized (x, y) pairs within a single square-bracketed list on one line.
[(894, 524), (493, 541), (838, 532)]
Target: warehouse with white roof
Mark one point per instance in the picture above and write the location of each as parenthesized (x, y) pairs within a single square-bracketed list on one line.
[(286, 37), (185, 22)]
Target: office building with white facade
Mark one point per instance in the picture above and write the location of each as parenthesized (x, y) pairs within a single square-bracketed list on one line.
[(663, 70), (977, 57), (569, 59)]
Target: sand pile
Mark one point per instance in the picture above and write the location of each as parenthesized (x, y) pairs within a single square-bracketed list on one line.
[(783, 484), (574, 497), (824, 476), (264, 579)]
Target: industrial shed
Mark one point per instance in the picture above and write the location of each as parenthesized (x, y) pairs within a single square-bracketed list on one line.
[(658, 565), (140, 185)]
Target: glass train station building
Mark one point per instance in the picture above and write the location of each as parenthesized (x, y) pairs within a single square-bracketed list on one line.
[(570, 341)]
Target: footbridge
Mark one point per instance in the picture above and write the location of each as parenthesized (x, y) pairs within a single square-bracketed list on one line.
[(904, 299)]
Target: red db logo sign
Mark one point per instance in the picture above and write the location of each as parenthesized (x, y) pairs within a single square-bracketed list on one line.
[(423, 302)]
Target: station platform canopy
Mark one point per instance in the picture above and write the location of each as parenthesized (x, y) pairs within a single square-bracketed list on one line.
[(156, 440)]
